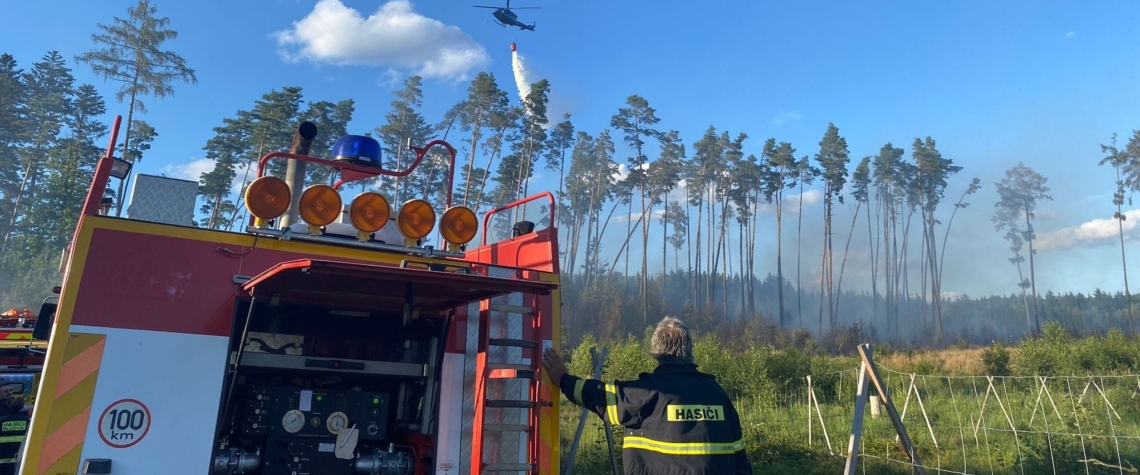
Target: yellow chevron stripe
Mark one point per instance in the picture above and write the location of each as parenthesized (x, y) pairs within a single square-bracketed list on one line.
[(67, 423), (57, 354), (66, 464), (18, 336)]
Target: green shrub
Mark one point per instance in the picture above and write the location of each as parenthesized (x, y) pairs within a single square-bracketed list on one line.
[(996, 360), (924, 367), (788, 369)]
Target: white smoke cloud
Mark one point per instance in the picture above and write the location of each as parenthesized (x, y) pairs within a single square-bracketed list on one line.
[(395, 35), (1095, 233), (522, 82)]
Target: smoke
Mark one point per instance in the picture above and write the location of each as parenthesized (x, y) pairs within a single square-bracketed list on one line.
[(521, 81)]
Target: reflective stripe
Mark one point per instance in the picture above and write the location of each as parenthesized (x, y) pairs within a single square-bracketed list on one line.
[(683, 448), (578, 391), (11, 438), (9, 460), (611, 403)]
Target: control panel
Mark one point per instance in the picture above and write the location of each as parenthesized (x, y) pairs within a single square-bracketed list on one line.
[(304, 457), (301, 413)]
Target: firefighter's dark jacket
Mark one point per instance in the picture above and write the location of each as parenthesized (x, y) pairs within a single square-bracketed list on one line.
[(677, 420)]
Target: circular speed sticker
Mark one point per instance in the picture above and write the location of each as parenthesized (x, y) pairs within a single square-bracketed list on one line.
[(124, 423)]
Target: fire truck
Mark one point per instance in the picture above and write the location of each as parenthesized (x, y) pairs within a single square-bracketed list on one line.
[(327, 337)]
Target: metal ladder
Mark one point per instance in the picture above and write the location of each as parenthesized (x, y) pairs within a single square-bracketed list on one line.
[(487, 370)]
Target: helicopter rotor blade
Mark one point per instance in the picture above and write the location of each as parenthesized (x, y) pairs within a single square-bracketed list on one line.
[(482, 6), (526, 8)]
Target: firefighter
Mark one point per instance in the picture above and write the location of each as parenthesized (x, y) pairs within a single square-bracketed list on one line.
[(677, 420), (13, 429)]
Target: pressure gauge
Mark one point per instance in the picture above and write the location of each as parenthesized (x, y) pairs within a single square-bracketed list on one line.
[(293, 421), (336, 422)]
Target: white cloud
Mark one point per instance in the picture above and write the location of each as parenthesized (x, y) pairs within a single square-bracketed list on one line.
[(622, 172), (810, 198), (1095, 233), (394, 36), (194, 169), (786, 116), (792, 202), (191, 170), (1070, 34), (390, 78)]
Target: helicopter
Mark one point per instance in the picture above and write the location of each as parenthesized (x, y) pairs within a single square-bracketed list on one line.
[(505, 17)]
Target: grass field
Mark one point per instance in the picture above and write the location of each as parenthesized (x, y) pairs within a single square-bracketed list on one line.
[(1086, 418)]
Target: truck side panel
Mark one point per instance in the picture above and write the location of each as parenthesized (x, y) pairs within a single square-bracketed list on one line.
[(183, 376)]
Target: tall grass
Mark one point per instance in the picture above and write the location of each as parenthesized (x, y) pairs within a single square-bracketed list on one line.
[(769, 389)]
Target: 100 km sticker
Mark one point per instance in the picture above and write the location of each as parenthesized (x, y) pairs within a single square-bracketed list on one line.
[(124, 423)]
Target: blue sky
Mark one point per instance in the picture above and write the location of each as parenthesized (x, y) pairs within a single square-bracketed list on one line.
[(993, 82)]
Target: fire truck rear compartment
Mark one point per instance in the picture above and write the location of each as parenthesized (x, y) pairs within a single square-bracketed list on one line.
[(323, 346), (308, 373)]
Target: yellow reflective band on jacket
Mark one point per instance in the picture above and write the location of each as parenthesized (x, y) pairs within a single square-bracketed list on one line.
[(578, 391), (3, 461), (683, 448), (611, 403), (11, 439)]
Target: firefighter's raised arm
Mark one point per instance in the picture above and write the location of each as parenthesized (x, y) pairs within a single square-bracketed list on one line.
[(588, 393)]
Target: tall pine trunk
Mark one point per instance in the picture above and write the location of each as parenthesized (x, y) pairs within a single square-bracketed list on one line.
[(843, 263), (780, 252), (1124, 264), (1032, 275), (799, 253)]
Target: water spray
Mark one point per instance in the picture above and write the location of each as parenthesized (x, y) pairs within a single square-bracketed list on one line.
[(521, 80)]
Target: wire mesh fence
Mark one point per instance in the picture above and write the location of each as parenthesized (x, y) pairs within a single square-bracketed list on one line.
[(1079, 424)]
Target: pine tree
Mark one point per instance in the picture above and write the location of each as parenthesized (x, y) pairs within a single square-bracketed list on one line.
[(932, 171), (404, 123), (805, 175), (486, 103), (533, 141), (13, 133), (1019, 193), (68, 170), (890, 178), (332, 121), (226, 148), (636, 121), (134, 57), (49, 92), (832, 159), (780, 173), (142, 135), (1124, 164), (664, 174), (861, 181), (561, 139)]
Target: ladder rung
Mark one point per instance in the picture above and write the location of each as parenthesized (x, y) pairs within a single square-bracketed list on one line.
[(514, 366), (507, 427), (512, 342), (509, 404), (512, 374), (511, 308), (508, 467)]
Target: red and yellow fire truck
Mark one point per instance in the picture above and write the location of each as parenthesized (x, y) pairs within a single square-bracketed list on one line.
[(326, 338)]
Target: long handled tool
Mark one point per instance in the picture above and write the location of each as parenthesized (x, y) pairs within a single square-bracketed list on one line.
[(598, 363)]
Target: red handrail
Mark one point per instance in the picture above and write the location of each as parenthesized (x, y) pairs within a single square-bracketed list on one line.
[(487, 217), (368, 170), (102, 173)]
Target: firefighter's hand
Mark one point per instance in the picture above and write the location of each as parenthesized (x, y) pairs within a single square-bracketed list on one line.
[(554, 365)]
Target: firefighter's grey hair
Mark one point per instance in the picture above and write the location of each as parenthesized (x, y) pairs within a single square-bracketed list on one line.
[(672, 342)]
